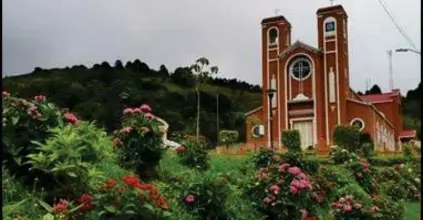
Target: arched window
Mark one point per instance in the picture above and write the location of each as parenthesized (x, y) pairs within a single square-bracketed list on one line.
[(300, 68), (273, 36), (359, 123)]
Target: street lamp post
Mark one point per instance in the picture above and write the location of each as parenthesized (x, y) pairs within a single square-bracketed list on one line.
[(270, 94)]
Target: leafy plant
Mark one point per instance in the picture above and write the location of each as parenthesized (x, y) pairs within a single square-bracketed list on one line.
[(292, 140), (228, 137), (263, 158), (340, 156)]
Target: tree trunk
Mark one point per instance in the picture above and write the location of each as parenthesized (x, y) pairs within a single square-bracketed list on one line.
[(198, 113)]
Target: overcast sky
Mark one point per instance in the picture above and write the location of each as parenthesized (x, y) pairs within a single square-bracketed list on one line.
[(52, 33)]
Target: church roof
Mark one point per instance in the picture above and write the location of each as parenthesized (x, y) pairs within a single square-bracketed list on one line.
[(379, 97), (408, 134), (299, 44)]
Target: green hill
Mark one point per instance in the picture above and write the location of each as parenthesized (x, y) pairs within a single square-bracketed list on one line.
[(101, 93)]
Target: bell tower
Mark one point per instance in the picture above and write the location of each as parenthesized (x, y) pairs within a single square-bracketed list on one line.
[(276, 37), (333, 41)]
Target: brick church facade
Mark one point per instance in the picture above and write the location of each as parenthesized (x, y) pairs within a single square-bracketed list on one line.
[(312, 89)]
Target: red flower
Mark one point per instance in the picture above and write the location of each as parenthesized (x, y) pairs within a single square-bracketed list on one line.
[(189, 199), (275, 189), (145, 108), (149, 116), (87, 200), (61, 206), (5, 94), (40, 98), (131, 181), (137, 110), (180, 149), (162, 203), (375, 209), (71, 118), (109, 185)]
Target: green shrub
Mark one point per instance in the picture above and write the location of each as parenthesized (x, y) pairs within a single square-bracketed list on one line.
[(407, 151), (139, 142), (193, 154), (363, 174), (392, 160), (387, 209), (340, 156), (366, 145), (292, 140), (263, 158), (228, 137), (347, 137), (67, 157)]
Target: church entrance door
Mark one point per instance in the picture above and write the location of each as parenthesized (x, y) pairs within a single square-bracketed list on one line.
[(306, 132)]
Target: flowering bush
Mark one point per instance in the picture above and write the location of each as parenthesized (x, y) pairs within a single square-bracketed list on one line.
[(263, 158), (283, 192), (124, 198), (193, 154), (384, 208), (139, 142), (363, 173), (206, 198), (25, 121), (348, 208)]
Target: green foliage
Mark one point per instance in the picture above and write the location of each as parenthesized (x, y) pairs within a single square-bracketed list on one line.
[(366, 145), (68, 155), (228, 137), (139, 142), (25, 121), (363, 174), (388, 209), (193, 154), (341, 156), (263, 158), (292, 140), (391, 160), (347, 137), (407, 151)]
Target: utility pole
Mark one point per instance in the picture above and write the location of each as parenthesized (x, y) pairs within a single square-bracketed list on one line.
[(217, 118), (391, 74)]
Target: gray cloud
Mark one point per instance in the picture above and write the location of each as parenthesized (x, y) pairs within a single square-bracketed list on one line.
[(51, 33)]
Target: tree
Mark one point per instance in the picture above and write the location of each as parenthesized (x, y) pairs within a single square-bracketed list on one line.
[(118, 64), (374, 90), (202, 72)]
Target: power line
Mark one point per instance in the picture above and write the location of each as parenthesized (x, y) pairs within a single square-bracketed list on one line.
[(400, 29)]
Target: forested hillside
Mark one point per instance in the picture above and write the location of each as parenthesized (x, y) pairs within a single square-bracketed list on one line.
[(101, 92)]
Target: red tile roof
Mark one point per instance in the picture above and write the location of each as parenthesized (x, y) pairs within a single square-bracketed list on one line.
[(377, 97), (408, 133)]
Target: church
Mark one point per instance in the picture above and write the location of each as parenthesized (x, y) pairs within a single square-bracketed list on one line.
[(307, 88)]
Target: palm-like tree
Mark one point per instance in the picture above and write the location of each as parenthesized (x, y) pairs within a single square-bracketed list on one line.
[(202, 71)]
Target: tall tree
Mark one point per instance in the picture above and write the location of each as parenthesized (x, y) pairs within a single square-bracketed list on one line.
[(374, 90), (202, 72)]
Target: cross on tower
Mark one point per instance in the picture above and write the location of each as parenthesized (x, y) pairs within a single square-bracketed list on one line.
[(276, 12), (331, 2)]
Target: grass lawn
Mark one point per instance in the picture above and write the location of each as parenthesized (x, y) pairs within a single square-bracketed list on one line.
[(412, 211)]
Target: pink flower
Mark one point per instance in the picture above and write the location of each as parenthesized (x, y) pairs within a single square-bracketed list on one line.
[(144, 129), (5, 94), (145, 108), (375, 209), (40, 98), (347, 208), (349, 197), (71, 118), (149, 116), (303, 176), (126, 130), (304, 213), (275, 189), (128, 111), (117, 142), (342, 200), (336, 205), (293, 190), (283, 167), (61, 206), (137, 110), (267, 200), (189, 199), (180, 149), (294, 170), (357, 205), (295, 183)]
